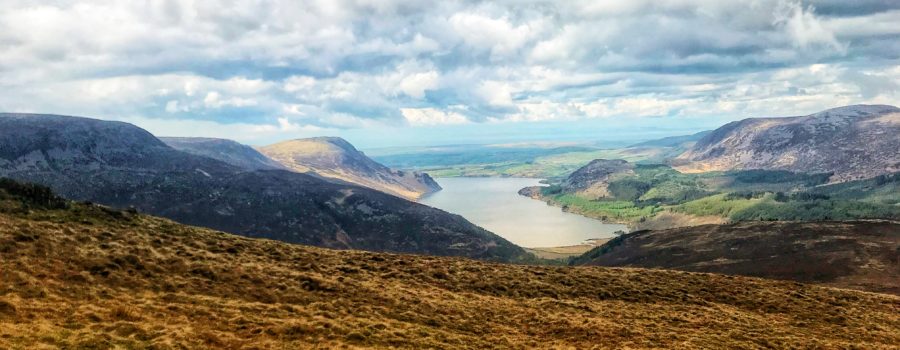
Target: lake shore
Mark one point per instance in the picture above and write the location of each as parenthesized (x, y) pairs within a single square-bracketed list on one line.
[(494, 204), (565, 252)]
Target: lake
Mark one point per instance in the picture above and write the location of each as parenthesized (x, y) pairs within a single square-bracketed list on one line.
[(493, 203)]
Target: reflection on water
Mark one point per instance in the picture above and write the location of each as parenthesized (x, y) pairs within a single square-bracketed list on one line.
[(493, 203)]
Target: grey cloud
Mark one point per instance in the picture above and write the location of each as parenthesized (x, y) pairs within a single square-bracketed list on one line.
[(530, 53)]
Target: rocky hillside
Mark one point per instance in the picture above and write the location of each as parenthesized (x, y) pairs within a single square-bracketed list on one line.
[(335, 158), (121, 165), (592, 180), (852, 142), (861, 255), (683, 141), (228, 151), (87, 277)]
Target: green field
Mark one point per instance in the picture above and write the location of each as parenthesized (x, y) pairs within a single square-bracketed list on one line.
[(615, 211), (552, 166), (737, 196)]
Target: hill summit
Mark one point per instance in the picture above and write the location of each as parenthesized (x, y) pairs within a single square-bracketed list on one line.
[(335, 158), (228, 151)]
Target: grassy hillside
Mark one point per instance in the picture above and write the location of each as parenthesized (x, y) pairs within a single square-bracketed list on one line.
[(80, 276), (750, 195), (848, 254)]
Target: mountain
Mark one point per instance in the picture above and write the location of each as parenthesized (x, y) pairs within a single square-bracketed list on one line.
[(80, 276), (592, 180), (335, 158), (853, 254), (121, 165), (673, 141), (228, 151), (852, 142)]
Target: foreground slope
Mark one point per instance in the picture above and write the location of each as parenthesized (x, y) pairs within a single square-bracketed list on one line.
[(861, 254), (852, 142), (335, 158), (82, 276), (121, 165), (228, 151)]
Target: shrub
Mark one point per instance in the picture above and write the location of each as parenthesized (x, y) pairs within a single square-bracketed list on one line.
[(32, 194), (756, 176), (551, 190)]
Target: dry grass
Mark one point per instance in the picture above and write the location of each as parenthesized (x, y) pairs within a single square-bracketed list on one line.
[(565, 252), (95, 280), (669, 219)]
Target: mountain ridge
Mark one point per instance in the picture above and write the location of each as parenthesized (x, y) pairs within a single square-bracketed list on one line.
[(334, 157), (851, 142), (121, 165), (225, 150)]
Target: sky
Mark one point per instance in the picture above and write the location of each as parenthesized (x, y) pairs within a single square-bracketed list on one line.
[(410, 73)]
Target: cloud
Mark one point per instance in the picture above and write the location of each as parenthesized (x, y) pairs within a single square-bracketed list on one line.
[(321, 66), (431, 116), (416, 84), (804, 27)]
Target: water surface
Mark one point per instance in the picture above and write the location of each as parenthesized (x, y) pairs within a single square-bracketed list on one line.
[(493, 203)]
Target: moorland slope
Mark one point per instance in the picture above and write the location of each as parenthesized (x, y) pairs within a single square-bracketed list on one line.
[(862, 255), (83, 276)]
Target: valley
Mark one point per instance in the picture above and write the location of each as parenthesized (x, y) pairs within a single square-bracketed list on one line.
[(587, 242), (649, 186), (396, 174)]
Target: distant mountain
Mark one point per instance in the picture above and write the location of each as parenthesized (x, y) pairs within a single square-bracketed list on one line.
[(852, 142), (121, 165), (333, 157), (228, 151), (673, 141), (861, 255)]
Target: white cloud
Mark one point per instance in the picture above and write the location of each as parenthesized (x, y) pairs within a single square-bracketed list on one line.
[(497, 35), (431, 116), (495, 93), (415, 85), (284, 124), (283, 128), (804, 27), (363, 64), (299, 83)]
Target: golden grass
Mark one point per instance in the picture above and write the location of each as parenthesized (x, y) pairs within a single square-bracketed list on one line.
[(93, 280)]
